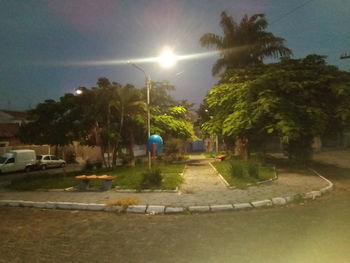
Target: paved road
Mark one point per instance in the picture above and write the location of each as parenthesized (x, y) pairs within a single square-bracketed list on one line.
[(315, 232)]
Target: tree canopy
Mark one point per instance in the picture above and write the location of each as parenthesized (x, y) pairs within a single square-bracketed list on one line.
[(110, 116), (243, 44), (296, 99)]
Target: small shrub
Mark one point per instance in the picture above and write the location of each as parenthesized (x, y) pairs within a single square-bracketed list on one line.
[(236, 169), (126, 158), (89, 165), (70, 156), (170, 158), (93, 165), (98, 164), (152, 178), (253, 169), (298, 198)]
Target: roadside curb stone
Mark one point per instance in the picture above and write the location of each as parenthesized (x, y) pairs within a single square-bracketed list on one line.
[(199, 208), (289, 199), (155, 209), (174, 210), (95, 207), (138, 209), (51, 205), (312, 195), (27, 203), (5, 202), (242, 206), (13, 203), (113, 208), (262, 203), (279, 201), (39, 204), (66, 205), (221, 207)]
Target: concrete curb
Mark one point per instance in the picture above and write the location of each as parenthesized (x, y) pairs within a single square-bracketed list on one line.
[(223, 180), (161, 209), (146, 190)]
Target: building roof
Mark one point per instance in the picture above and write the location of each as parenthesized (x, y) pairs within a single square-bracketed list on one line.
[(18, 115), (8, 130)]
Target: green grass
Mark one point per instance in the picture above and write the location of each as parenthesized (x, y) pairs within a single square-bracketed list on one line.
[(127, 178), (266, 172), (208, 155)]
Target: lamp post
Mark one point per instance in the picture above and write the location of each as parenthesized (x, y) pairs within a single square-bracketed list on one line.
[(148, 88), (167, 59)]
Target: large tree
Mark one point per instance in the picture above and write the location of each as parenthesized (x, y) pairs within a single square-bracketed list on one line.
[(110, 116), (243, 44), (49, 125), (294, 99)]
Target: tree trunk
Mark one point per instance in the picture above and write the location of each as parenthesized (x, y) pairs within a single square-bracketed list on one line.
[(108, 136), (242, 148), (114, 155), (103, 155), (131, 149)]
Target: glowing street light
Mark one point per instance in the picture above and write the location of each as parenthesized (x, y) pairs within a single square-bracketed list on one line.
[(166, 59), (78, 91)]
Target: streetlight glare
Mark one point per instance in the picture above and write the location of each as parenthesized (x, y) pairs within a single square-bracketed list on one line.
[(167, 58), (78, 91)]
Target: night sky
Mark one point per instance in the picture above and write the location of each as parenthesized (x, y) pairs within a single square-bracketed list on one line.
[(49, 48)]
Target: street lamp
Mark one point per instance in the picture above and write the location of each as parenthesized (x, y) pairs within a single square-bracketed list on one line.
[(148, 88), (166, 59)]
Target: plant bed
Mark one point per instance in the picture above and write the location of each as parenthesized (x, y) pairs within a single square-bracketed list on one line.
[(241, 174), (127, 178)]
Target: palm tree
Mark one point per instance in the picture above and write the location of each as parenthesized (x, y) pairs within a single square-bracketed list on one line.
[(243, 44), (127, 102)]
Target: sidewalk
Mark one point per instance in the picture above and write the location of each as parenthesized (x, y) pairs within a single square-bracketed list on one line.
[(202, 186)]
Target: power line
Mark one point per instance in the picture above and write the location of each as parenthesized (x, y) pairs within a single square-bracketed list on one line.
[(290, 12)]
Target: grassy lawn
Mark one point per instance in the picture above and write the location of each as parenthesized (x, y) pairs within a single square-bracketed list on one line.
[(266, 172), (128, 178), (208, 155)]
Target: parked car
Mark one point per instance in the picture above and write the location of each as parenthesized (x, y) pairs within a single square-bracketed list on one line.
[(49, 161), (17, 160)]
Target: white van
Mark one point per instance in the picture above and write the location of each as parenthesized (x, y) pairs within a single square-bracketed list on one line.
[(17, 160)]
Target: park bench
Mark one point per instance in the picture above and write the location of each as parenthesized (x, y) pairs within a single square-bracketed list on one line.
[(220, 156), (84, 181)]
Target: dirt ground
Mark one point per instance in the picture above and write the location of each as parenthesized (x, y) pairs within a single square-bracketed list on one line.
[(316, 231)]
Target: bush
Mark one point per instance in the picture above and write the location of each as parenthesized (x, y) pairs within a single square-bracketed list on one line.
[(93, 165), (126, 158), (151, 179), (70, 156), (89, 165), (236, 169), (253, 169), (174, 150)]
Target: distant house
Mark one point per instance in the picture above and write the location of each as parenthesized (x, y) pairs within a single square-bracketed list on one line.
[(10, 122), (7, 116)]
